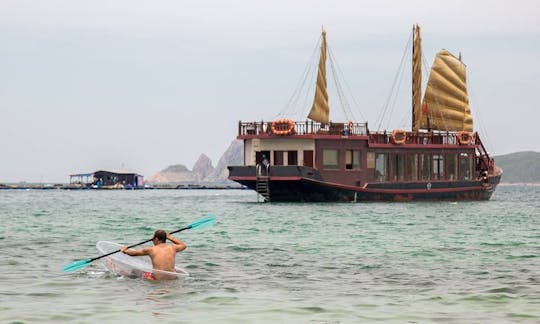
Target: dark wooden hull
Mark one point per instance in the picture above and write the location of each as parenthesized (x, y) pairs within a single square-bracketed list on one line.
[(303, 184)]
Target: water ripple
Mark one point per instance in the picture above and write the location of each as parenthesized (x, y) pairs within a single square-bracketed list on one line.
[(465, 262)]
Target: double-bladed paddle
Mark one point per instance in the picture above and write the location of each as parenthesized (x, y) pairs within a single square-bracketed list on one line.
[(76, 265)]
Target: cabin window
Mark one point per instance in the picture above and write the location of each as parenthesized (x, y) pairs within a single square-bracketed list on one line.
[(352, 160), (397, 166), (451, 161), (465, 166), (438, 166), (412, 167), (425, 170), (380, 167), (400, 164), (371, 160), (308, 158), (292, 158), (278, 158), (331, 159)]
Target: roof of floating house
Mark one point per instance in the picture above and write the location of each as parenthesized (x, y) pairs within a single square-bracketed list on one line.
[(123, 172)]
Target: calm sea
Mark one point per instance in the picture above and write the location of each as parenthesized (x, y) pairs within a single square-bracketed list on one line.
[(447, 262)]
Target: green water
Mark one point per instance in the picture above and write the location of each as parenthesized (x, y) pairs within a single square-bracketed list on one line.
[(473, 262)]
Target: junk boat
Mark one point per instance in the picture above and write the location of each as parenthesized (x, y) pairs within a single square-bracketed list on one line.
[(318, 160)]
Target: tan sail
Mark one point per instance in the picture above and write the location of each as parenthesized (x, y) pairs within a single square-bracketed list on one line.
[(446, 101), (320, 111), (417, 79)]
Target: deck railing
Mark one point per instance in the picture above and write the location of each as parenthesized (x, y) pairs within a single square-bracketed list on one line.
[(433, 137), (304, 128), (350, 129)]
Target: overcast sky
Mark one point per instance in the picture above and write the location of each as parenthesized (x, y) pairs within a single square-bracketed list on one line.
[(88, 85)]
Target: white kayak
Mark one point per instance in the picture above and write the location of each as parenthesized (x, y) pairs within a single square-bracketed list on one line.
[(134, 267)]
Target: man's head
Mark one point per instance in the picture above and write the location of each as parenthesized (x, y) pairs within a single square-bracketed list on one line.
[(160, 236)]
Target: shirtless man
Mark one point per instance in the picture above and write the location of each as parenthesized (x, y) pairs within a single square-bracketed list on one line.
[(161, 254)]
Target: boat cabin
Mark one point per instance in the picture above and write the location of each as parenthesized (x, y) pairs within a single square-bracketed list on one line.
[(350, 154)]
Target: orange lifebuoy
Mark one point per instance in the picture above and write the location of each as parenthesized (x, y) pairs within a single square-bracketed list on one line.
[(282, 126), (464, 138), (398, 136)]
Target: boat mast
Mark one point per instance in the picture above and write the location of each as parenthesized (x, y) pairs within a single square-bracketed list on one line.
[(416, 78)]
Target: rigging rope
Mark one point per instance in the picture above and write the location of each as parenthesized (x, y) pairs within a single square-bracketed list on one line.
[(292, 104), (393, 106), (341, 95), (299, 102), (399, 73), (485, 137)]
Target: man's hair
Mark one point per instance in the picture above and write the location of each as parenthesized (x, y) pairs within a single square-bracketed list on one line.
[(161, 235)]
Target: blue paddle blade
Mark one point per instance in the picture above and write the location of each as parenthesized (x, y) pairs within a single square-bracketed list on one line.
[(203, 222), (76, 265)]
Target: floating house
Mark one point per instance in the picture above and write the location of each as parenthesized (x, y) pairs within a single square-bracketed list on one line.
[(104, 179)]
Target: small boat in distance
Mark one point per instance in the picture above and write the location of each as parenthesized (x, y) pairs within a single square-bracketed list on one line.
[(440, 158)]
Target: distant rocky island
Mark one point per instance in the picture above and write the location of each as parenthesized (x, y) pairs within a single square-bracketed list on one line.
[(203, 173)]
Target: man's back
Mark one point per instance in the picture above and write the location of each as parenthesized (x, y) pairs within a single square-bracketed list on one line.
[(163, 256)]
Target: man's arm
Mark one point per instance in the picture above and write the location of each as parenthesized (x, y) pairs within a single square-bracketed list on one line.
[(132, 252), (179, 245)]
